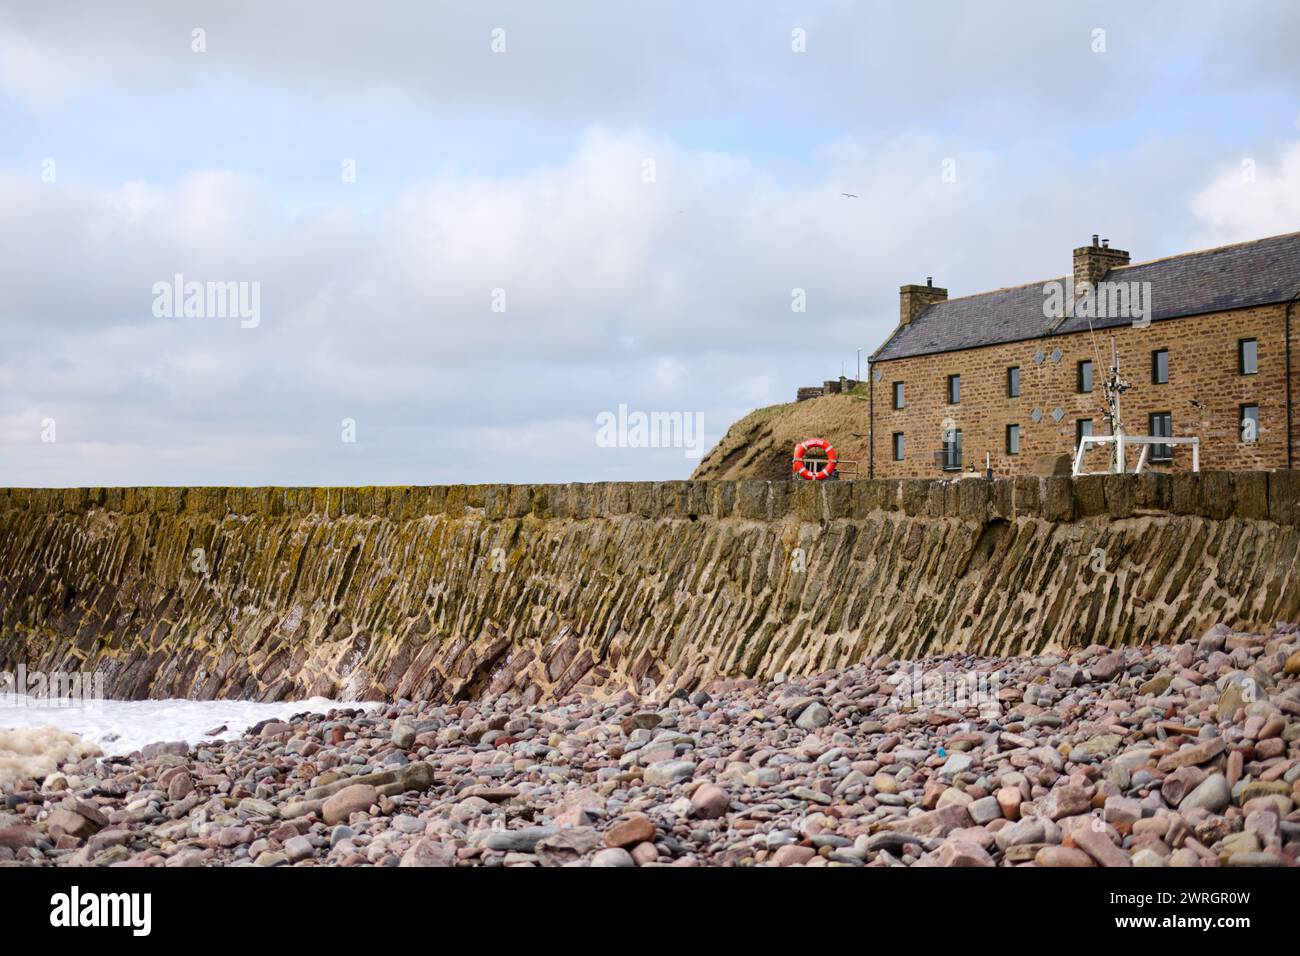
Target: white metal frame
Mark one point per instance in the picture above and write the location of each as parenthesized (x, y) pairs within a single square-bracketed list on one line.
[(1146, 441)]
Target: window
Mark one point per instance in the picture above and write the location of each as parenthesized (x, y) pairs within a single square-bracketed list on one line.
[(1013, 382), (898, 446), (1250, 423), (899, 400), (1160, 367), (1082, 430), (954, 389), (952, 450), (1085, 375), (1248, 357), (1161, 426), (1013, 439)]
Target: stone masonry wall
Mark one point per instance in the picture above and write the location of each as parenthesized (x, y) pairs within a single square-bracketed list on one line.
[(447, 592), (1203, 369)]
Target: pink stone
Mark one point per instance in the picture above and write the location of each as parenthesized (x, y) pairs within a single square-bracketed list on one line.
[(644, 853), (957, 853), (793, 855), (710, 802), (633, 829), (1066, 801), (1097, 844), (353, 799), (1062, 856)]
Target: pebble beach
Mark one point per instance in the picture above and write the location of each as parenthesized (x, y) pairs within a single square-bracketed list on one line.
[(1182, 755)]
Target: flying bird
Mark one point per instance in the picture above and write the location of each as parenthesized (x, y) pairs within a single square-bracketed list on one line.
[(849, 195)]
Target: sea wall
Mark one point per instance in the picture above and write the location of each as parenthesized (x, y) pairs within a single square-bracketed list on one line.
[(446, 592)]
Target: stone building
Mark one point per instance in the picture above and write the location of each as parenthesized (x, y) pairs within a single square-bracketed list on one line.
[(1204, 340)]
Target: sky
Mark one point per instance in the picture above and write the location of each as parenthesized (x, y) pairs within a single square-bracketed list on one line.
[(466, 235)]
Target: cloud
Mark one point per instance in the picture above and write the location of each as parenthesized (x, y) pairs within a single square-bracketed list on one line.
[(666, 295), (673, 180), (591, 61), (1254, 197)]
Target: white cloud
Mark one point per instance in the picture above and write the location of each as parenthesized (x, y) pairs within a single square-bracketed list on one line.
[(36, 73), (671, 295), (1253, 197), (595, 61)]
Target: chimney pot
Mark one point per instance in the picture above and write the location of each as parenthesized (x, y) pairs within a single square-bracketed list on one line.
[(1091, 263), (1094, 238), (913, 299)]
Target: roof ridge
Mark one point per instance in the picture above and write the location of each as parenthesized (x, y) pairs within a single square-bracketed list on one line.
[(1206, 252), (1144, 262), (1005, 288), (1221, 278)]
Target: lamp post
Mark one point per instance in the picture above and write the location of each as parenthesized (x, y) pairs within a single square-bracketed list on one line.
[(858, 377)]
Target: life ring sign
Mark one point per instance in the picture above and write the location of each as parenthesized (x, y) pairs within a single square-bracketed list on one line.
[(821, 470)]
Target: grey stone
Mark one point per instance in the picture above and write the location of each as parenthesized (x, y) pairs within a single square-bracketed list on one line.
[(955, 764), (668, 772), (813, 717), (517, 841), (1213, 794), (613, 856)]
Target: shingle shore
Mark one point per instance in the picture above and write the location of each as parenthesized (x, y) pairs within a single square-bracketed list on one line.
[(1165, 755)]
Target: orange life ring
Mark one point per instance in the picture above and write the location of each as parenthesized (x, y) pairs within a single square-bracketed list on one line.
[(803, 471)]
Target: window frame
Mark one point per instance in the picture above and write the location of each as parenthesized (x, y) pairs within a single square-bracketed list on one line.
[(1156, 453), (898, 446), (1241, 356), (1016, 449), (1078, 377), (953, 395), (1016, 392), (1078, 430), (1241, 423), (1155, 367), (949, 444)]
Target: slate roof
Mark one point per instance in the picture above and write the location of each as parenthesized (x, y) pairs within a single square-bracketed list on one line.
[(1259, 272)]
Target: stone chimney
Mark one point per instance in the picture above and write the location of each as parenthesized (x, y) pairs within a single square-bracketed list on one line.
[(1091, 263), (913, 298)]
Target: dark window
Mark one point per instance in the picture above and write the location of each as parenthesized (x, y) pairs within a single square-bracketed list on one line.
[(954, 389), (898, 446), (1250, 423), (899, 400), (1013, 439), (1160, 366), (1248, 357), (952, 450), (1085, 375), (1013, 382), (1161, 426), (1082, 430)]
